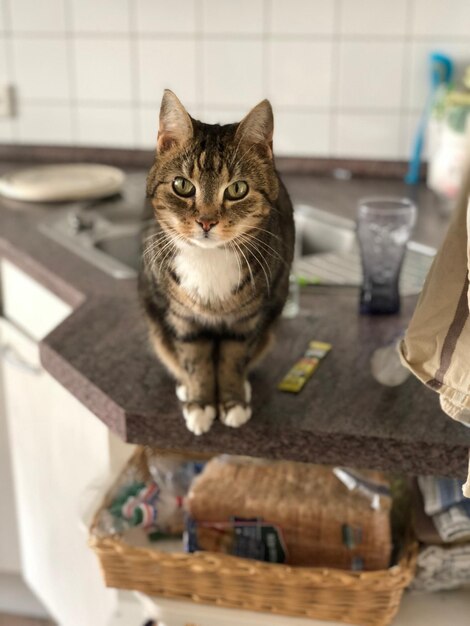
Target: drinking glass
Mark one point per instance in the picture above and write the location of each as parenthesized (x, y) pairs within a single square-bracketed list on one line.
[(384, 227)]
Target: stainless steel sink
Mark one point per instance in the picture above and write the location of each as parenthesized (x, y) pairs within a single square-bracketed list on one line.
[(124, 249), (105, 233), (319, 232), (113, 247), (329, 254), (108, 236)]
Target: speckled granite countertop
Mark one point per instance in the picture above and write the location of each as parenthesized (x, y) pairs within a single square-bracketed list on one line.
[(342, 416)]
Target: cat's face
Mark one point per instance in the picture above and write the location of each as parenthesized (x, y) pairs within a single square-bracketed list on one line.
[(210, 184)]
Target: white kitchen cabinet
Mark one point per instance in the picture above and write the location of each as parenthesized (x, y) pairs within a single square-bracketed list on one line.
[(9, 545), (57, 449), (27, 303), (15, 596)]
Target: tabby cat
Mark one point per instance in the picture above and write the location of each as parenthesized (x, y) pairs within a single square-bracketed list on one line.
[(216, 257)]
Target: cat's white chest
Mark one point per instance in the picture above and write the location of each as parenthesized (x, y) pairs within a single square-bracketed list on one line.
[(211, 274)]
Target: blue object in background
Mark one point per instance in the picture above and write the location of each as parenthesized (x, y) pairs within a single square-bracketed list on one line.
[(441, 72)]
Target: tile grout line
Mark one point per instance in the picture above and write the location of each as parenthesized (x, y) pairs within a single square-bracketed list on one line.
[(334, 84), (404, 151), (224, 36), (11, 69), (267, 49), (285, 108), (72, 75), (199, 53), (135, 71)]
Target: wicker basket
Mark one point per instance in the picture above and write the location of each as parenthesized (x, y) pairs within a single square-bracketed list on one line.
[(365, 598)]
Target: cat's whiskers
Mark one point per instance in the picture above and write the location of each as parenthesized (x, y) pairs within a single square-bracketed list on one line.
[(155, 259), (251, 245), (167, 256), (266, 231), (159, 253), (267, 249), (238, 262), (246, 261), (262, 265), (172, 249), (155, 236), (157, 247), (152, 241)]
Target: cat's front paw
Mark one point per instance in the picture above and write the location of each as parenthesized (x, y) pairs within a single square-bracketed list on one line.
[(234, 415), (199, 418)]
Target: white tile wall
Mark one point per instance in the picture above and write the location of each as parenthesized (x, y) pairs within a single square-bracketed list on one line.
[(373, 17), (45, 123), (166, 16), (219, 16), (302, 17), (300, 134), (7, 134), (232, 72), (220, 116), (37, 16), (147, 126), (100, 16), (300, 73), (106, 126), (365, 134), (2, 18), (6, 124), (3, 56), (103, 70), (433, 17), (379, 84), (40, 68), (167, 63), (346, 77), (410, 123)]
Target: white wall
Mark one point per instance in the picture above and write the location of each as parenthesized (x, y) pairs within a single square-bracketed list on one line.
[(346, 77)]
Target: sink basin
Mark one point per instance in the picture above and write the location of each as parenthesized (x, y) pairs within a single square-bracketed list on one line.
[(329, 254), (318, 231), (108, 236), (123, 248)]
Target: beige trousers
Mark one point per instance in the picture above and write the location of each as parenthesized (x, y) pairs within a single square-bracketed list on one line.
[(436, 347)]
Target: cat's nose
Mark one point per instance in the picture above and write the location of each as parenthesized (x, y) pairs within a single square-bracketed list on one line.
[(206, 223)]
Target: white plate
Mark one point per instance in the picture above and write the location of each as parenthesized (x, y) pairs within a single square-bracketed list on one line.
[(54, 183)]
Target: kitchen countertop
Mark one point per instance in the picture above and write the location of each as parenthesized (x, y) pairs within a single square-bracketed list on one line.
[(343, 416)]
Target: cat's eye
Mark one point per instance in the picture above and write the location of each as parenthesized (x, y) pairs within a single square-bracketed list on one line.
[(236, 191), (183, 187)]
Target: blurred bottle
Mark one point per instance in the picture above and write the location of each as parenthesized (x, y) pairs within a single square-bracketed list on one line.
[(449, 140)]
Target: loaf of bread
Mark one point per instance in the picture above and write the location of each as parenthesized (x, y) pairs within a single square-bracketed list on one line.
[(322, 523)]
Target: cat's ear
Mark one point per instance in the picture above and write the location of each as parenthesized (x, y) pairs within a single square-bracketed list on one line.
[(176, 126), (258, 125)]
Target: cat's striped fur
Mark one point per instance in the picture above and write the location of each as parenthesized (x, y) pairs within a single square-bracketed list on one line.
[(215, 271)]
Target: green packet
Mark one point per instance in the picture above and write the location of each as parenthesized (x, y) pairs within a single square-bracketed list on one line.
[(246, 538)]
